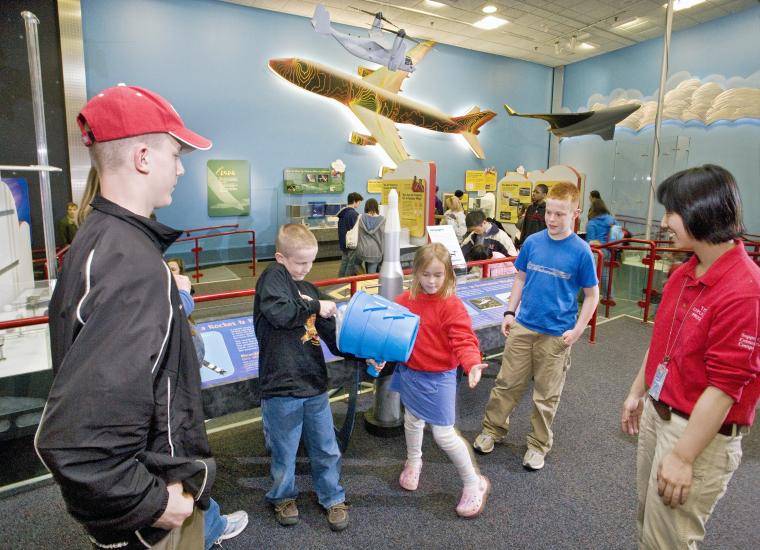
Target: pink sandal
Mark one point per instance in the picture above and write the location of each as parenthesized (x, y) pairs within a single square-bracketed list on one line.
[(473, 499), (410, 476)]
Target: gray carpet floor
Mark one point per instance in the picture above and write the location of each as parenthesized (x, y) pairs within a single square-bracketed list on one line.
[(583, 498)]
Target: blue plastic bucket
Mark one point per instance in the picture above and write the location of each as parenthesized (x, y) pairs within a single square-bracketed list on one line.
[(374, 327)]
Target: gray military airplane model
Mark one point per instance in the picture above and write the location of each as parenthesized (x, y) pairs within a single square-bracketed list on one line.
[(370, 49), (601, 122)]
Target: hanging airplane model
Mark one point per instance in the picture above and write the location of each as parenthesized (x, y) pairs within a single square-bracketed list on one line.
[(376, 102), (601, 122), (369, 49)]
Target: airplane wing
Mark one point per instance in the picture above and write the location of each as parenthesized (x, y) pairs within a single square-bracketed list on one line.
[(392, 80), (384, 131)]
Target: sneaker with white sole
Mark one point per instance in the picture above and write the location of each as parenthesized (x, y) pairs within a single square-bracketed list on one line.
[(533, 460), (236, 523), (485, 442)]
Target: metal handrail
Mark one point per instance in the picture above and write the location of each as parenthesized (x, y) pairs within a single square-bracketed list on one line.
[(196, 229)]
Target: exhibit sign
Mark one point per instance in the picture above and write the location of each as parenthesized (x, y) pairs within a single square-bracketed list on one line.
[(229, 187), (375, 186), (480, 180), (411, 203), (313, 181), (445, 235), (512, 194)]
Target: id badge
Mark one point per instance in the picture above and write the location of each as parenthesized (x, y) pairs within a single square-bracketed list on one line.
[(659, 381)]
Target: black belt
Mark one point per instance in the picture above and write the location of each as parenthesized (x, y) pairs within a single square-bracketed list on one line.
[(665, 411)]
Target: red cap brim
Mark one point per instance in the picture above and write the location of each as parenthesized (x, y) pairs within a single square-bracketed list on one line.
[(191, 139)]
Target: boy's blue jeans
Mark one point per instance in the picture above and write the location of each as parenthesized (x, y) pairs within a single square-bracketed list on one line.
[(214, 524), (285, 418)]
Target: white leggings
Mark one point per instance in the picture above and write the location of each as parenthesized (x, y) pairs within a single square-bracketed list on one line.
[(447, 439)]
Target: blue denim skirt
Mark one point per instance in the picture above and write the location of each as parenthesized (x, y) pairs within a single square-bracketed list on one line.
[(430, 396)]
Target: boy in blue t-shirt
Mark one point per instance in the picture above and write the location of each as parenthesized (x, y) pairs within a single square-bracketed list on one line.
[(552, 266)]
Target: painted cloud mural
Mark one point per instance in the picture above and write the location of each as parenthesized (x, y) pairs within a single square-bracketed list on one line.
[(690, 100)]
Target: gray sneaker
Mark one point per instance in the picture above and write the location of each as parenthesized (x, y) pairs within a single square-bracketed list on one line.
[(236, 523), (484, 443), (533, 460)]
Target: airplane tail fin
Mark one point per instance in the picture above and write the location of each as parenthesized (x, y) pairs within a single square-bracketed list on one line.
[(473, 120), (321, 20), (472, 141), (510, 111)]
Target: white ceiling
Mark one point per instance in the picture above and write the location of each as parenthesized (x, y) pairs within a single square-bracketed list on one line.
[(536, 28)]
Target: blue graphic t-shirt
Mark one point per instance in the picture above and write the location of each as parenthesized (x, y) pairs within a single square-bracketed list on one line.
[(555, 272)]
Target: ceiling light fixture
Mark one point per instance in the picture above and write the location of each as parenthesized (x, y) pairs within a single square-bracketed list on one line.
[(433, 4), (587, 46), (679, 5), (557, 48), (488, 8), (490, 22), (629, 23)]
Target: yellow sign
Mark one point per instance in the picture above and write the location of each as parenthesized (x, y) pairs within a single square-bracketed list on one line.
[(489, 180), (411, 203), (374, 186), (511, 196), (474, 180)]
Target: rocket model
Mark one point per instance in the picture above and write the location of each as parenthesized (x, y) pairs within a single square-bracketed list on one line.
[(385, 419)]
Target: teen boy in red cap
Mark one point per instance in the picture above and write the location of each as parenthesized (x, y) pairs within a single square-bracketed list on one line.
[(122, 431)]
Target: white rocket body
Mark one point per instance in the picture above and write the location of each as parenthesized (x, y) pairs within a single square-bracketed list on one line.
[(391, 274)]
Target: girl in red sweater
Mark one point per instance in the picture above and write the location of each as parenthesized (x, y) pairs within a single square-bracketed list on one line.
[(427, 382)]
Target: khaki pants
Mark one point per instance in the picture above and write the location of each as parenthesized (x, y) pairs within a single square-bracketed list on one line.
[(187, 537), (659, 525), (529, 354)]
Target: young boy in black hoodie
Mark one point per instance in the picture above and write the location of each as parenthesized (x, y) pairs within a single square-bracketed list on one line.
[(289, 319)]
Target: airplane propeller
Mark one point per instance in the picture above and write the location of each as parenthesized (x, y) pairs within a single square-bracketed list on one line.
[(378, 15)]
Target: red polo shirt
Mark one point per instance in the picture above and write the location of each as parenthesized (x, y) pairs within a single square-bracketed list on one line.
[(717, 345)]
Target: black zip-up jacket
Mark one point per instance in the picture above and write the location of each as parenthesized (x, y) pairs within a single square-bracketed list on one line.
[(124, 416), (288, 328)]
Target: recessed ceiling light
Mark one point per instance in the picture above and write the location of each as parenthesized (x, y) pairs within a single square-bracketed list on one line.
[(490, 22), (679, 5), (433, 4), (488, 8), (629, 23), (587, 46)]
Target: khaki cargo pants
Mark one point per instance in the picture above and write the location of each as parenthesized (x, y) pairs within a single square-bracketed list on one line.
[(529, 354)]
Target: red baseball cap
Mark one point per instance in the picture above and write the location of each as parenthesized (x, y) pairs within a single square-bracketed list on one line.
[(126, 111)]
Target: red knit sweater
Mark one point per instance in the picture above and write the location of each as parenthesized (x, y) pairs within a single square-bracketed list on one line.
[(445, 338)]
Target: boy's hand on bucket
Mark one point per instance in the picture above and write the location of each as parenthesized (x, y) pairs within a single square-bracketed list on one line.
[(474, 377), (327, 309), (375, 365)]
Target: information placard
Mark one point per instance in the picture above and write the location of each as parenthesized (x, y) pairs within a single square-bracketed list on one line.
[(411, 203), (229, 187), (313, 181)]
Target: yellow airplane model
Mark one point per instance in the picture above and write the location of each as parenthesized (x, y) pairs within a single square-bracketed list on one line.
[(376, 102)]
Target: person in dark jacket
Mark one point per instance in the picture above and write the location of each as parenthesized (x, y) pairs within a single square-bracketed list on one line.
[(68, 226), (123, 429), (534, 219), (290, 319), (347, 218), (371, 237)]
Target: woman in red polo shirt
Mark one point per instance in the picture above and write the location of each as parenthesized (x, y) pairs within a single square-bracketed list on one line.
[(696, 392)]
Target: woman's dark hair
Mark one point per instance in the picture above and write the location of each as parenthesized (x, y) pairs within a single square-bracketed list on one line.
[(707, 199), (595, 194), (597, 208), (371, 207)]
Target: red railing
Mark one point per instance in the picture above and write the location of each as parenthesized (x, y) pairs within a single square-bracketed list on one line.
[(198, 249), (61, 252)]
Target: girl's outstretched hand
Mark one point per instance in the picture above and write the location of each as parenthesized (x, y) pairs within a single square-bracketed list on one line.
[(474, 377)]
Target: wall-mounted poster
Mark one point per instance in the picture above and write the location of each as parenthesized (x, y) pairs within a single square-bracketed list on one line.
[(229, 187), (312, 181), (375, 186), (511, 195), (474, 180), (411, 203)]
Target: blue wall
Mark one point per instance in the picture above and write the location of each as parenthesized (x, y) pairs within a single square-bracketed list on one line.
[(618, 169), (209, 59)]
